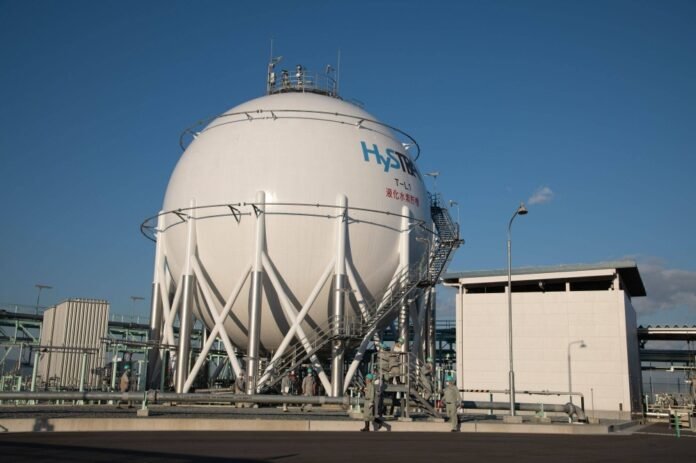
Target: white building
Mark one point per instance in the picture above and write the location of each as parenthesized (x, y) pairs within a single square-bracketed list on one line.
[(555, 311)]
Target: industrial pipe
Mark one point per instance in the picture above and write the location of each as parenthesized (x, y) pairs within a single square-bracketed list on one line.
[(154, 397), (159, 397), (569, 408)]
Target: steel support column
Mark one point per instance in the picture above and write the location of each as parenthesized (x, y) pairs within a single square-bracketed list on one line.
[(340, 287), (256, 295), (155, 332), (431, 351), (185, 316)]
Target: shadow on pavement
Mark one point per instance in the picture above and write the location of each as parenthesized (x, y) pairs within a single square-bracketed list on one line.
[(33, 452)]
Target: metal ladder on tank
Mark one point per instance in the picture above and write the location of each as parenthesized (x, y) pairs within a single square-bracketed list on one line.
[(406, 283), (447, 240), (415, 278)]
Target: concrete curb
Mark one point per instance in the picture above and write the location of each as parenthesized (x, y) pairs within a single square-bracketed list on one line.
[(15, 425)]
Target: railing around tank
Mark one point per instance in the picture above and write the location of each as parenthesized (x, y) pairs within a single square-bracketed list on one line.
[(252, 209), (302, 80), (361, 122)]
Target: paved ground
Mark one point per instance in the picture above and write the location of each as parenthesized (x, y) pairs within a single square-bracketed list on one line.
[(654, 444)]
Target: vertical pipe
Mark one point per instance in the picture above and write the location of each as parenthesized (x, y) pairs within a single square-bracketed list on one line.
[(114, 370), (511, 374), (338, 315), (83, 370), (64, 321), (185, 316), (34, 370), (154, 334), (404, 263), (570, 384), (256, 287), (66, 337), (50, 350), (33, 374), (432, 300), (140, 375), (425, 339), (84, 329)]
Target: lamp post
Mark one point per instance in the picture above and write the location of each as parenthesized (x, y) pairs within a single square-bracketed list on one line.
[(570, 383), (38, 296), (521, 210)]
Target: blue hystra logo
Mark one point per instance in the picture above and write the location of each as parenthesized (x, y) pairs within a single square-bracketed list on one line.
[(390, 160)]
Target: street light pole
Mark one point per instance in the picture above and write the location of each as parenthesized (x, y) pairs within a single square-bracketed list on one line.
[(521, 210), (38, 296), (570, 383)]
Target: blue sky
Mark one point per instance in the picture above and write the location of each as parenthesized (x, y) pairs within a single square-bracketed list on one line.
[(593, 103)]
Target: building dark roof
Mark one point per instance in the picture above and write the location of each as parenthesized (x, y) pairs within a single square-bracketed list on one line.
[(627, 269)]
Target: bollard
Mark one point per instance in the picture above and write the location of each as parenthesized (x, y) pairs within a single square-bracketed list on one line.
[(676, 425)]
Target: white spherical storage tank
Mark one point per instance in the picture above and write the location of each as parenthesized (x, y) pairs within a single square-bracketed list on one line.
[(270, 205)]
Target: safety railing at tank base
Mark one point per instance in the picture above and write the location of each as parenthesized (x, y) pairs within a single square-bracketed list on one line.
[(399, 136), (302, 81), (149, 226)]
